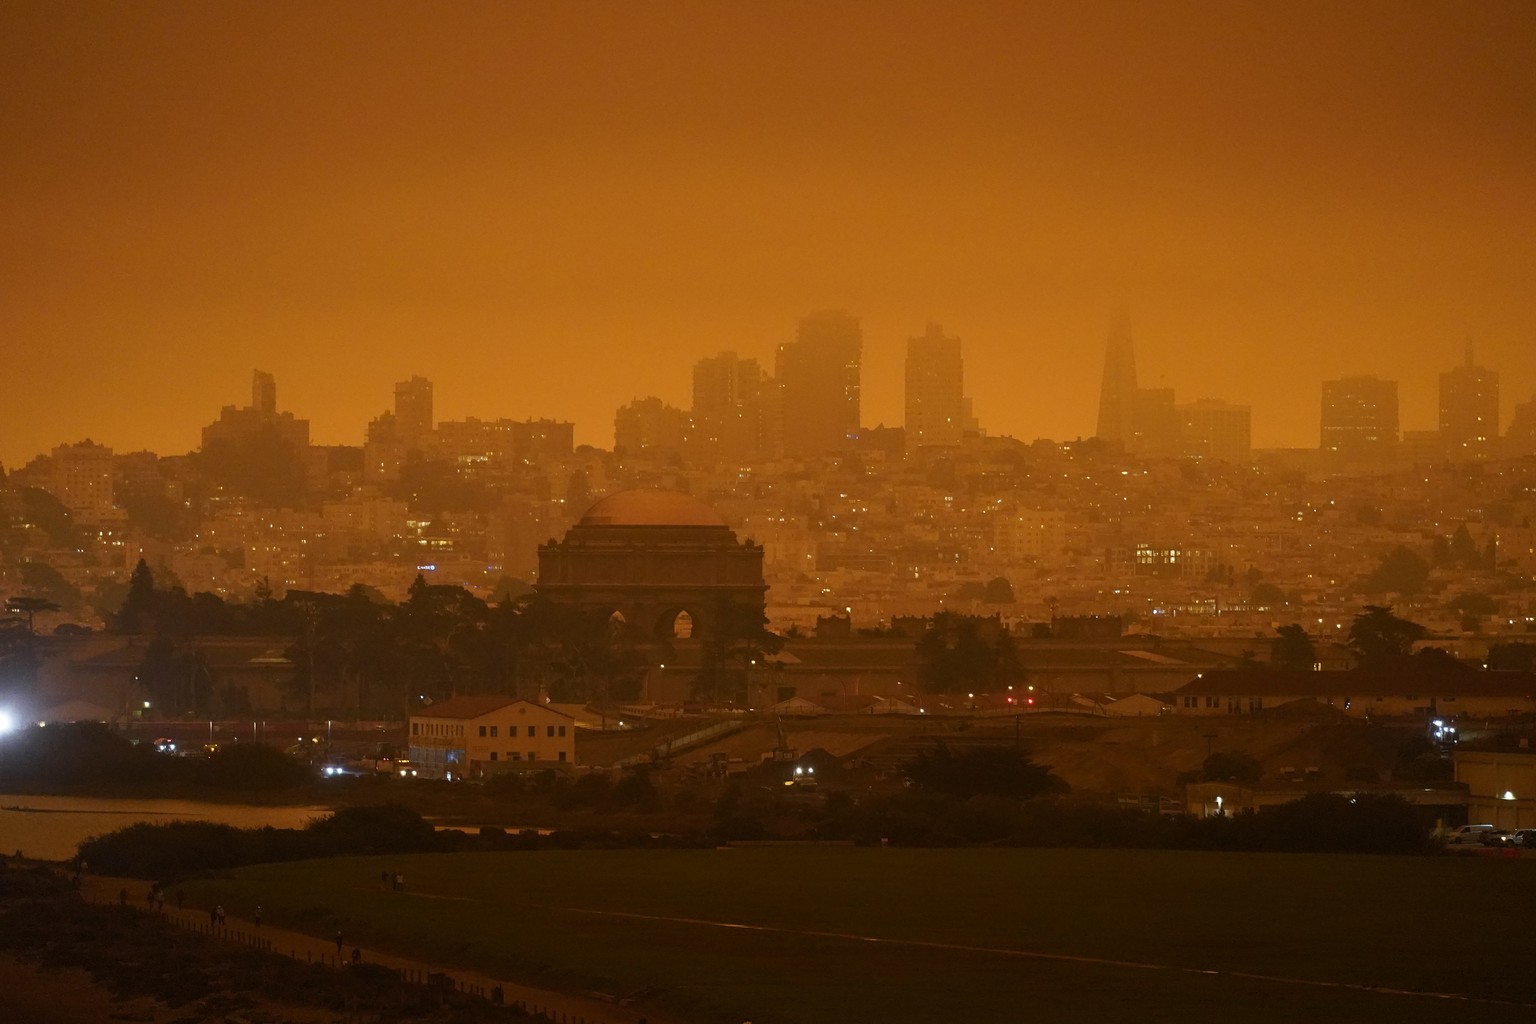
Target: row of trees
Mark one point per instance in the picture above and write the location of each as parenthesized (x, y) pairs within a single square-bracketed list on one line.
[(1404, 571), (1378, 638), (358, 653)]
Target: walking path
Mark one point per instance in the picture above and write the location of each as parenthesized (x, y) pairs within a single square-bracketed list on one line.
[(559, 1007)]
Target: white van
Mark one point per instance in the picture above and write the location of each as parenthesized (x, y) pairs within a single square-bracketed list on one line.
[(1470, 835)]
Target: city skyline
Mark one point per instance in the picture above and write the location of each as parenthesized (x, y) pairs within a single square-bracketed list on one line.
[(548, 212), (417, 394)]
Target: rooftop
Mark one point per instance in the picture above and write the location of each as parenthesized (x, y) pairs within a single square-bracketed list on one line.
[(651, 507)]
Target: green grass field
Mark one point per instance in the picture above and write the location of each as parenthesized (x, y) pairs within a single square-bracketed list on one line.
[(956, 927)]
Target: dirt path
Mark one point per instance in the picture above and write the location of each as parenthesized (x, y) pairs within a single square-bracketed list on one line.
[(562, 1007)]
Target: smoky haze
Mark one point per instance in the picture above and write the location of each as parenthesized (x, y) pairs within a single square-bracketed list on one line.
[(551, 210)]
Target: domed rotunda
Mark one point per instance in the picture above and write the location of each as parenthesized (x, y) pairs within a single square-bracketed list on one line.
[(651, 555)]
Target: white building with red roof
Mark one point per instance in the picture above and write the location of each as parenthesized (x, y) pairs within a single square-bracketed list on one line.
[(478, 735)]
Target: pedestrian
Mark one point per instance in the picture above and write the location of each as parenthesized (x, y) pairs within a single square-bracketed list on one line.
[(383, 879), (338, 943), (218, 913), (399, 882), (122, 897), (357, 956), (150, 896), (258, 915)]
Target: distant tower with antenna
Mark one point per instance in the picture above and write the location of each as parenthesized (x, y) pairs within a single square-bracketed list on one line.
[(1117, 393)]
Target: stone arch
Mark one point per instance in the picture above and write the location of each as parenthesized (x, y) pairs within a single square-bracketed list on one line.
[(654, 555), (679, 623)]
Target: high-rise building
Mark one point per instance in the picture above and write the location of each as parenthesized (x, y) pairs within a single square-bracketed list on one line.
[(1359, 416), (649, 425), (1469, 408), (264, 393), (936, 407), (1214, 429), (80, 477), (383, 452), (817, 376), (1117, 392), (260, 417), (502, 441), (1520, 439), (1155, 423), (413, 411), (729, 411)]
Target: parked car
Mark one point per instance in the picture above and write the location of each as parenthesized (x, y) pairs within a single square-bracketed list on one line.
[(1523, 837), (1498, 837), (1469, 835)]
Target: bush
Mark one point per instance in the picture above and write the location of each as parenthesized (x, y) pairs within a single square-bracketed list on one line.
[(376, 828), (163, 849), (174, 848), (983, 771), (254, 766)]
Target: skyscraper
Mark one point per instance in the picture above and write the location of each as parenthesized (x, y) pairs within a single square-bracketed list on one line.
[(1359, 416), (936, 406), (264, 393), (1469, 408), (1117, 393), (1156, 422), (1213, 429), (817, 376), (1520, 439), (260, 416), (413, 411), (648, 425), (728, 406)]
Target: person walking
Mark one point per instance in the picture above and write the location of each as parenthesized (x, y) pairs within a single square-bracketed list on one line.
[(258, 915), (338, 943)]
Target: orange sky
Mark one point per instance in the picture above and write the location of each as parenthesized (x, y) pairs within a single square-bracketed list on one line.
[(552, 208)]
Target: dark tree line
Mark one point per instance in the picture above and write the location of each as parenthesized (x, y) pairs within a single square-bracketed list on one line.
[(960, 653), (1460, 551), (359, 654)]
